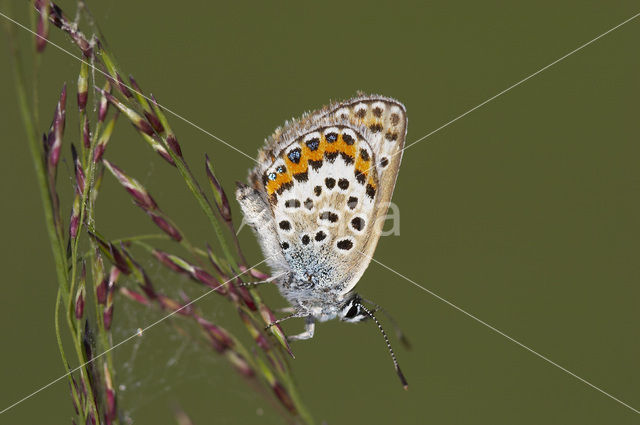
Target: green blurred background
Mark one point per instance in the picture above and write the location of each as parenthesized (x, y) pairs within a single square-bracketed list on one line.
[(524, 213)]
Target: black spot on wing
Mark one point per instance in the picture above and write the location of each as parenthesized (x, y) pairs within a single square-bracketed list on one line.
[(371, 192), (294, 155), (348, 159), (292, 203), (348, 139), (344, 244), (391, 136), (301, 177), (330, 182), (331, 156), (285, 225), (352, 202), (284, 186), (313, 144), (329, 216), (308, 204), (315, 164), (357, 223)]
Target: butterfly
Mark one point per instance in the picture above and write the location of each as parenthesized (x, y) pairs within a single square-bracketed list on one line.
[(317, 201)]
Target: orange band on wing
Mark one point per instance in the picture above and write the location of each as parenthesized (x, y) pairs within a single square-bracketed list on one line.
[(349, 153), (274, 185)]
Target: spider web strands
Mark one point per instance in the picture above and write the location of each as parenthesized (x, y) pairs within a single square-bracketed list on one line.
[(138, 333), (499, 332)]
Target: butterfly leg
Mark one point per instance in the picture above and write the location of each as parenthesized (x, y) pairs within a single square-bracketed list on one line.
[(309, 329)]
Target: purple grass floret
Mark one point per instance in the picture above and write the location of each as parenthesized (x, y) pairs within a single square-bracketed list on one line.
[(110, 394), (104, 138), (80, 295), (83, 87), (74, 221), (134, 296), (197, 273), (173, 144), (101, 291), (112, 253), (61, 21), (165, 259), (79, 309), (79, 171), (276, 329), (123, 87), (255, 331), (42, 27), (138, 122), (57, 130), (142, 198), (166, 227), (221, 198), (86, 133), (145, 201), (103, 108), (147, 109)]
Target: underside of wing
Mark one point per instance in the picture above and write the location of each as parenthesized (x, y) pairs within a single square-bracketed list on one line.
[(383, 121), (328, 179), (322, 190)]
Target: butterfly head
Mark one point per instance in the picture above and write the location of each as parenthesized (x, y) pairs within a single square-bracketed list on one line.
[(352, 310)]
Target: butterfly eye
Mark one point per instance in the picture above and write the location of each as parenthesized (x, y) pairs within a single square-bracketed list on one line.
[(352, 312)]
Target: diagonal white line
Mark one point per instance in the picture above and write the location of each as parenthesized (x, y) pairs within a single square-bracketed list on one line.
[(523, 80), (498, 331), (175, 114), (518, 83), (138, 333)]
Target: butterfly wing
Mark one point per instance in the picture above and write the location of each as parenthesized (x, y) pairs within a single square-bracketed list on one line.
[(328, 180), (386, 120)]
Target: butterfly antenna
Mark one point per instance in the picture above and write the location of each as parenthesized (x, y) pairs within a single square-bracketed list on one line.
[(396, 327), (405, 384)]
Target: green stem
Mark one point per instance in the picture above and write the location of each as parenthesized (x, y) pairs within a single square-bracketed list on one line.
[(41, 175), (65, 363), (197, 192)]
